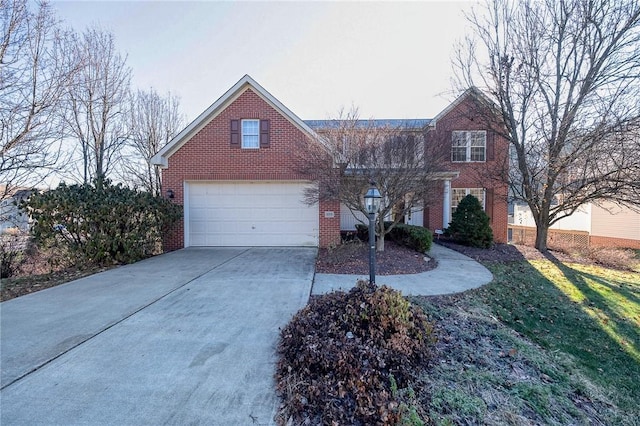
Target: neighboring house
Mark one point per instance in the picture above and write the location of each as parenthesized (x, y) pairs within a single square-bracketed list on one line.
[(234, 171), (11, 218), (606, 224)]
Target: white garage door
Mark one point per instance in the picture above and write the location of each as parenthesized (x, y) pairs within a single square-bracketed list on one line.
[(249, 214)]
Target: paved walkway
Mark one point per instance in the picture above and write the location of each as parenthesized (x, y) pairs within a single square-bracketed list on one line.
[(455, 273)]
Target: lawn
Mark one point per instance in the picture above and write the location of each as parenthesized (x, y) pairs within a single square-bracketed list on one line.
[(547, 342), (588, 312)]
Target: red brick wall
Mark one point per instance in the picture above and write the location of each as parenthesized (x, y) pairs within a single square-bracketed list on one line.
[(209, 156), (597, 241), (488, 175), (329, 227)]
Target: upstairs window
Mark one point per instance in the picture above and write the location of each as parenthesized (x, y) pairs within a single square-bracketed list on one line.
[(468, 145), (250, 134)]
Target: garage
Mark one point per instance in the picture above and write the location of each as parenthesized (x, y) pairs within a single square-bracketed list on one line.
[(255, 213)]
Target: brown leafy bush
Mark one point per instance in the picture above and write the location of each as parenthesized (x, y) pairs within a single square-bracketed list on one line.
[(340, 355), (614, 258)]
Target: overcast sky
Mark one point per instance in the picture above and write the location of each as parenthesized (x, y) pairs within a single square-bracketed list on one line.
[(390, 59)]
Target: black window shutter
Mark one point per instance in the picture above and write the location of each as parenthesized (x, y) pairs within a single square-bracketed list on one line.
[(490, 145), (265, 141), (488, 203), (235, 133)]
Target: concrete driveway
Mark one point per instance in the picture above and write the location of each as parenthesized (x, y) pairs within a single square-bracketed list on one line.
[(183, 338)]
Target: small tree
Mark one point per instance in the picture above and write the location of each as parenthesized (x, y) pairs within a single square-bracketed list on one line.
[(101, 224), (352, 153), (470, 224)]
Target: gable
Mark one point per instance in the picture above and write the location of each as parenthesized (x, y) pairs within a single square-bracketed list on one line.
[(244, 85), (466, 106), (213, 153)]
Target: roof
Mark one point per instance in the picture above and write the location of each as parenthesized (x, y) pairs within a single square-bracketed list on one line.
[(413, 124), (16, 191), (472, 91), (245, 83)]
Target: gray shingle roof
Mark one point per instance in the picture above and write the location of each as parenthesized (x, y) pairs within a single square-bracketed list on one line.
[(414, 124)]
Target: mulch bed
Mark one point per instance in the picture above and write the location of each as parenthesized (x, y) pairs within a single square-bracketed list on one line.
[(501, 253), (496, 253), (353, 258)]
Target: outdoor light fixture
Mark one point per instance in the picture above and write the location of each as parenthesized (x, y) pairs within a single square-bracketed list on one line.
[(372, 199), (372, 204), (170, 193)]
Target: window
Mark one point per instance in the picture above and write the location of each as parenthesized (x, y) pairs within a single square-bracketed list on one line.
[(251, 134), (468, 145), (457, 194)]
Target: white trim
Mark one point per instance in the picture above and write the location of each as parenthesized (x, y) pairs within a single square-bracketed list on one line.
[(468, 138), (314, 231), (245, 83), (185, 210), (472, 91), (446, 205), (242, 134), (445, 175)]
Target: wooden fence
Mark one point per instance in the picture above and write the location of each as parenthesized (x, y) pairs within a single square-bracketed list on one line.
[(556, 238)]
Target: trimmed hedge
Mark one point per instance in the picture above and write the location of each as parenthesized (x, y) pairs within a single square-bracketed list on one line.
[(412, 236)]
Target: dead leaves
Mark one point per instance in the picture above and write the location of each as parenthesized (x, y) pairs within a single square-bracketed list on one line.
[(340, 351)]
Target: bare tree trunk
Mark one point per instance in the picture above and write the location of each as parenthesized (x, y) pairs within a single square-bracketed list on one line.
[(541, 238)]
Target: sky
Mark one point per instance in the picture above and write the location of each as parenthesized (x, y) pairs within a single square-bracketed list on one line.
[(388, 59)]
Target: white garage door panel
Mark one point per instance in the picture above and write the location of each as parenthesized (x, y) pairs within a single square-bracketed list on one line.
[(249, 214)]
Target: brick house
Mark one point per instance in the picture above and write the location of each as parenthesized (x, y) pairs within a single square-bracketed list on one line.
[(233, 169), (479, 154)]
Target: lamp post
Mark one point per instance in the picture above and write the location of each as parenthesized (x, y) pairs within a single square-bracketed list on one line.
[(372, 204)]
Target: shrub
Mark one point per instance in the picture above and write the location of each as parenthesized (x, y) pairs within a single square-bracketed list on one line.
[(414, 237), (343, 357), (470, 224), (362, 232), (101, 224), (12, 247)]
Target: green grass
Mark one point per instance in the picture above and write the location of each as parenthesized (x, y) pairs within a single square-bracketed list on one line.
[(488, 374), (587, 312)]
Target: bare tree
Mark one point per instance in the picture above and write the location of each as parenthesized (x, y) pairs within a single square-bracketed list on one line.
[(565, 79), (34, 71), (353, 153), (97, 102), (154, 121)]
